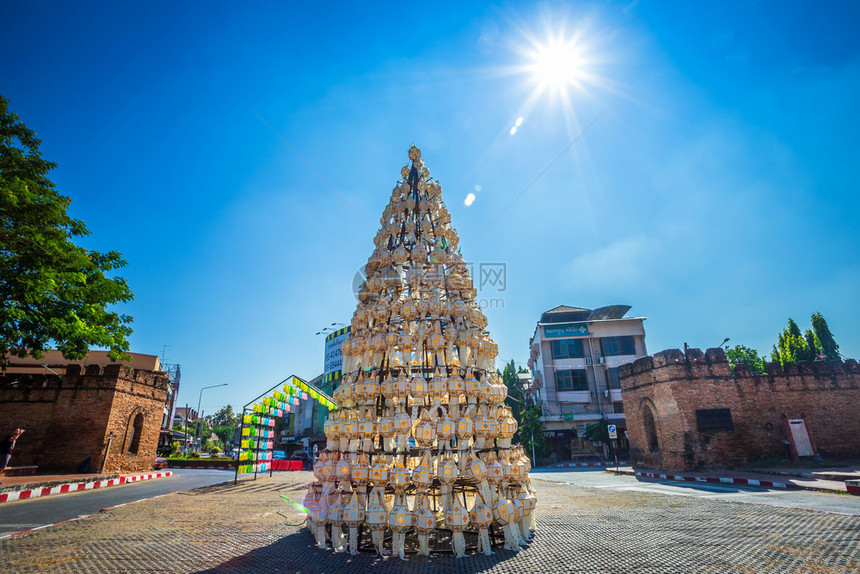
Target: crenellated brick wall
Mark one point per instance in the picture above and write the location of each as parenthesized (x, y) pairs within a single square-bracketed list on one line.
[(69, 419), (673, 385)]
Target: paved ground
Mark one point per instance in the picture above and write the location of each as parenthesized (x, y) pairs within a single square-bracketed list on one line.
[(800, 499), (228, 528), (25, 514)]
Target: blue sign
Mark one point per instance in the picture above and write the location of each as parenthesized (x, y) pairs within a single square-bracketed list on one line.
[(566, 330)]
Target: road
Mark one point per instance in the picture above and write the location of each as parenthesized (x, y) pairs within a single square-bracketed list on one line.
[(27, 514), (801, 499)]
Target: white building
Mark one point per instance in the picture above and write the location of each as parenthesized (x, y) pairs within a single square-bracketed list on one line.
[(574, 358)]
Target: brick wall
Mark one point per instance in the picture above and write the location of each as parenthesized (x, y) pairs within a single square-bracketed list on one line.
[(68, 419), (671, 386)]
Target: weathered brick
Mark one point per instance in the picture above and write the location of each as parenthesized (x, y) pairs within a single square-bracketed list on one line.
[(68, 420), (676, 385)]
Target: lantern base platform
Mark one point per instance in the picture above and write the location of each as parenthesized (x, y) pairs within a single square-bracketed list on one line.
[(440, 540)]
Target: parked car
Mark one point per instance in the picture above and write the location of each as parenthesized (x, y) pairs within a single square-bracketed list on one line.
[(160, 462), (307, 461)]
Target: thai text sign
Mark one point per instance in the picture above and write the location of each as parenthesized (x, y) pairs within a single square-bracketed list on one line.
[(566, 330), (333, 355)]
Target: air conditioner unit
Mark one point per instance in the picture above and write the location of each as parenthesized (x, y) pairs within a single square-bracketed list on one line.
[(601, 360), (587, 360)]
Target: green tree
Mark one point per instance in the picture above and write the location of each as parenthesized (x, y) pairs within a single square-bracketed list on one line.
[(530, 432), (225, 416), (516, 399), (827, 343), (792, 346), (52, 292), (739, 354), (812, 344), (224, 433), (598, 432), (224, 424)]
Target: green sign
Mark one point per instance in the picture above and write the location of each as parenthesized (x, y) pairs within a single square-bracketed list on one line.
[(566, 330)]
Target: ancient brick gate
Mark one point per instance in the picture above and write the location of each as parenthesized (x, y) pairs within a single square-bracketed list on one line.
[(113, 412), (690, 412)]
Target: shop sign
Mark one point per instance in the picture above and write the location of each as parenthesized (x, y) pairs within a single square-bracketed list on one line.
[(566, 330)]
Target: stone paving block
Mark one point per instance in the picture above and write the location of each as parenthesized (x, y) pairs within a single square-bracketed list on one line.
[(227, 528)]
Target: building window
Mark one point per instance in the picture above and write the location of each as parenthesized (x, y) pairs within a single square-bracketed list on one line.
[(574, 380), (618, 408), (567, 349), (614, 346), (614, 378)]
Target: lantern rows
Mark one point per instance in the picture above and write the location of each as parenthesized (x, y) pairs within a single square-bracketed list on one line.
[(421, 421)]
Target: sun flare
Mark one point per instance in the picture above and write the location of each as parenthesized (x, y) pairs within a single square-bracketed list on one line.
[(558, 64)]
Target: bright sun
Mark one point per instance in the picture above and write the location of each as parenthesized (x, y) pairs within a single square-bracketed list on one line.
[(558, 64)]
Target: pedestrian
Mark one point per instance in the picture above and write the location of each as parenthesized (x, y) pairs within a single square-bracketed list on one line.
[(7, 446)]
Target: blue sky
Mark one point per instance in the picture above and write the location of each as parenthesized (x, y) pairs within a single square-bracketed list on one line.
[(240, 158)]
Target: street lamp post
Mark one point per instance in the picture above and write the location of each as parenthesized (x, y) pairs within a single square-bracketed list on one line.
[(197, 422)]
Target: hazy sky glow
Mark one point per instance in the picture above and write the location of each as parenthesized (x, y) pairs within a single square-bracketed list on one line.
[(240, 159)]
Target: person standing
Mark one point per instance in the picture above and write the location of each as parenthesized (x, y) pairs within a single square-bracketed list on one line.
[(7, 446)]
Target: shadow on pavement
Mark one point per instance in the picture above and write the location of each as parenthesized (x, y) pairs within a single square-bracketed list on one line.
[(298, 553)]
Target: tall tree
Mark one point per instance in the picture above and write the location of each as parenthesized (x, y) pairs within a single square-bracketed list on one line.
[(52, 292), (530, 432), (813, 344), (224, 424), (516, 399), (225, 416), (792, 346), (828, 345)]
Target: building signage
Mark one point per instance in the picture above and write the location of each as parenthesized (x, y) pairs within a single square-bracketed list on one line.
[(333, 356), (566, 330), (711, 420)]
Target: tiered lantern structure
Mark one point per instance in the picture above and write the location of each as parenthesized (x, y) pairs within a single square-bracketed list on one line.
[(421, 420)]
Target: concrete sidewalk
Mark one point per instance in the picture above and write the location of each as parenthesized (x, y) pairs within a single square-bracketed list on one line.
[(14, 488), (250, 527), (822, 480)]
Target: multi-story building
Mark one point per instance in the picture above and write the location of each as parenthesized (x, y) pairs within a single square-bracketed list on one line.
[(574, 358)]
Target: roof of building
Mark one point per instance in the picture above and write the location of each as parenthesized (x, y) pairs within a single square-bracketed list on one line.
[(568, 314), (54, 361), (565, 314)]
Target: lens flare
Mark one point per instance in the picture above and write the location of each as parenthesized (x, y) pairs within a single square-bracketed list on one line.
[(558, 64)]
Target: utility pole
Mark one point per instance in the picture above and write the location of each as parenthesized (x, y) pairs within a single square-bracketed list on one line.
[(187, 414)]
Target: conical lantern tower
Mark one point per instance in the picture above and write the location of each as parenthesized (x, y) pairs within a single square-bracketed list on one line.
[(421, 397)]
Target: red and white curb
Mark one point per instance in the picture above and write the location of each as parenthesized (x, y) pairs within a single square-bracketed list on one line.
[(718, 479), (603, 463), (78, 486), (207, 467)]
